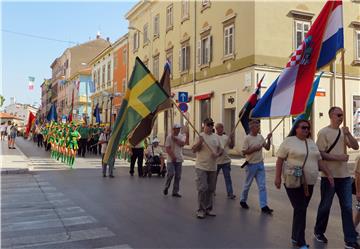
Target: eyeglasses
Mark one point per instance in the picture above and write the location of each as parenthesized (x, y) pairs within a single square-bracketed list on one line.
[(305, 127)]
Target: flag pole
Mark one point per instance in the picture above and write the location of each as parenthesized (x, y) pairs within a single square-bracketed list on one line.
[(343, 90), (192, 126), (278, 124)]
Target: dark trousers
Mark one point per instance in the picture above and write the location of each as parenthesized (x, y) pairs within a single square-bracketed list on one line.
[(299, 203), (137, 153), (110, 164), (343, 191), (94, 146), (82, 146), (39, 140)]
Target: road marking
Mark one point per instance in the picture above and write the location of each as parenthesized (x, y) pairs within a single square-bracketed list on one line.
[(125, 246), (51, 223), (57, 238)]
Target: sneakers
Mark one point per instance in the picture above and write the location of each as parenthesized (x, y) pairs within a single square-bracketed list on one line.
[(176, 195), (321, 238), (165, 191), (210, 213), (111, 176), (266, 210), (231, 196), (244, 205), (200, 214), (352, 245)]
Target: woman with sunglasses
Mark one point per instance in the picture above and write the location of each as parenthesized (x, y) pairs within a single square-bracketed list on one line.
[(301, 160)]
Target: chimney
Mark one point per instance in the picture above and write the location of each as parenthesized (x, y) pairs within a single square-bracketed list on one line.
[(98, 35), (107, 39)]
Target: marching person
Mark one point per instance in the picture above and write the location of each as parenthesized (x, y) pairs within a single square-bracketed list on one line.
[(205, 167), (84, 133), (224, 161), (303, 161), (252, 149), (331, 142), (174, 144), (137, 153), (103, 141), (357, 187)]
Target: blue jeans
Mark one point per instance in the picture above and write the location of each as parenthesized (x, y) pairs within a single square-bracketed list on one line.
[(343, 191), (256, 171), (227, 177), (173, 169)]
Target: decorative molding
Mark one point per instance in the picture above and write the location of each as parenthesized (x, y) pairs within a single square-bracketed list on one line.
[(355, 24), (303, 15), (229, 18), (205, 29)]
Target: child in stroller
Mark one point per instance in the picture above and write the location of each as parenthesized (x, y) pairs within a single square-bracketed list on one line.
[(155, 161)]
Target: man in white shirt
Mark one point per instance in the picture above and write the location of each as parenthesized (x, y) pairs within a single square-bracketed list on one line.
[(174, 144), (103, 140), (224, 161), (207, 148)]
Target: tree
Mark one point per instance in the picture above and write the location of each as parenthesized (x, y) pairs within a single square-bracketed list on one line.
[(2, 100)]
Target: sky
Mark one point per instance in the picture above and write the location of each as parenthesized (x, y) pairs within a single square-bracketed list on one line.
[(24, 56)]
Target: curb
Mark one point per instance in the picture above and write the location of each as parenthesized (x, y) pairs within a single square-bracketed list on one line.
[(14, 171)]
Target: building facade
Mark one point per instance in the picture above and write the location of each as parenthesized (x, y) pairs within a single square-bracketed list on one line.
[(21, 111), (219, 50)]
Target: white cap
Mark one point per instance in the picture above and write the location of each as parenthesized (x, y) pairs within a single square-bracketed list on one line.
[(155, 140), (176, 126)]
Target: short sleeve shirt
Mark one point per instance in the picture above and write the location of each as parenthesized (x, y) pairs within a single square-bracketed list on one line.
[(157, 150), (357, 164), (104, 138), (177, 150), (326, 137), (293, 150), (224, 158), (251, 141), (204, 159)]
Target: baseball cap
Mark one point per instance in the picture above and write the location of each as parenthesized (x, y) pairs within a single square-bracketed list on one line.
[(155, 140), (176, 126)]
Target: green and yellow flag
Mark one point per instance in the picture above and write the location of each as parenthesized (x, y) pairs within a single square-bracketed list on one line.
[(143, 96)]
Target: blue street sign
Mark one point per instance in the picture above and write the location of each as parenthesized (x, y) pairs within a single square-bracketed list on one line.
[(183, 107), (183, 97)]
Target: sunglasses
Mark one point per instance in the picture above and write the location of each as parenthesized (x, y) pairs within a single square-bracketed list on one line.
[(210, 125), (339, 115), (305, 128)]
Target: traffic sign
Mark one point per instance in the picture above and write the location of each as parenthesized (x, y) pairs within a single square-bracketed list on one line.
[(183, 97), (183, 107)]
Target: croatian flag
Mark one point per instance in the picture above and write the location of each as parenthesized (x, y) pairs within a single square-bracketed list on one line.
[(289, 93), (31, 83)]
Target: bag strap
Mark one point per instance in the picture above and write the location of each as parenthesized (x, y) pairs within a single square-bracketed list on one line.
[(334, 143), (306, 187), (152, 148)]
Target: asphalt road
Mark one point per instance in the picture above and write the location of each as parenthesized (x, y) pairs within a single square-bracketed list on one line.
[(140, 216)]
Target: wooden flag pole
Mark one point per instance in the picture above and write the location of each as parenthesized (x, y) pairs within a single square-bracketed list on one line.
[(278, 124), (192, 126), (343, 90)]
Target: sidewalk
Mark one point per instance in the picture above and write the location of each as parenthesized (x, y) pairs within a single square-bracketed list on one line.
[(12, 161)]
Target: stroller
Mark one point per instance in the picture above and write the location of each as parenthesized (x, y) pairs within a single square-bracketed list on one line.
[(153, 166)]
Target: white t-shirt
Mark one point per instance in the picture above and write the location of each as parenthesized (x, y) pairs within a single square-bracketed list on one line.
[(224, 158), (104, 138), (204, 159), (8, 129), (2, 128), (177, 150), (154, 151)]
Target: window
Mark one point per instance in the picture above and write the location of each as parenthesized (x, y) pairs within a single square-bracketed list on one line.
[(185, 9), (156, 26), (98, 78), (205, 50), (205, 109), (156, 67), (115, 58), (357, 42), (169, 58), (123, 85), (184, 57), (136, 41), (229, 40), (94, 80), (356, 116), (103, 76), (109, 73), (301, 29), (169, 17), (124, 56), (145, 32)]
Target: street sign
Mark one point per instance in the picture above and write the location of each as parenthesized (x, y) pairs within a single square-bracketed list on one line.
[(183, 107), (183, 97)]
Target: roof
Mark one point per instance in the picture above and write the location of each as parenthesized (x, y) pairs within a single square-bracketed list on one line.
[(134, 9), (5, 115)]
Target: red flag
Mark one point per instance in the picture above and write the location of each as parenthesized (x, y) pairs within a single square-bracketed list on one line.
[(31, 119), (70, 117)]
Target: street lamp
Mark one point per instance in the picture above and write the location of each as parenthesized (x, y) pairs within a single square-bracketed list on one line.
[(111, 96)]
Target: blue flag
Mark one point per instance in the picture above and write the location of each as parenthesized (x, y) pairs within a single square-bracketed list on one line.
[(96, 113), (52, 115)]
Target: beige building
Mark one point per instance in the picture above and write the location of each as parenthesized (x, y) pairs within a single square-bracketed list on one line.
[(218, 51)]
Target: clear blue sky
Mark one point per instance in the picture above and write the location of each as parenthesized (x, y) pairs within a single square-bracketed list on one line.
[(70, 21)]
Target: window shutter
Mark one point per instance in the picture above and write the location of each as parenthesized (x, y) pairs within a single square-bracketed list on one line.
[(210, 48), (180, 61), (188, 57), (199, 52)]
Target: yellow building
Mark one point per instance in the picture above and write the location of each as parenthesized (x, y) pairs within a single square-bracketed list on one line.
[(229, 46)]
